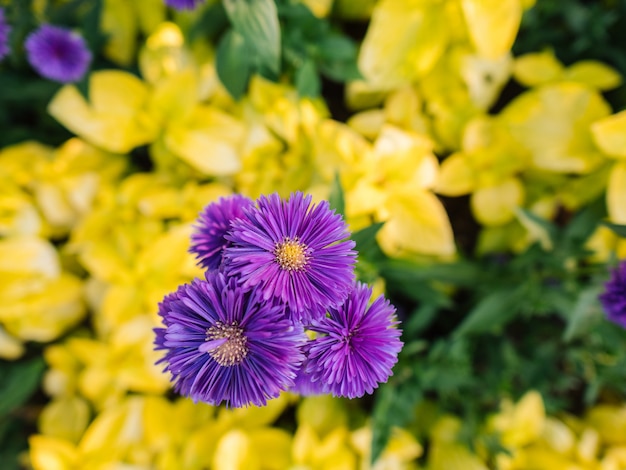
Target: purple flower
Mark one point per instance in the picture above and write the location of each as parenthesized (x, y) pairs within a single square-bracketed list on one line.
[(225, 344), (295, 251), (208, 241), (613, 298), (58, 54), (5, 29), (304, 384), (358, 345), (183, 4)]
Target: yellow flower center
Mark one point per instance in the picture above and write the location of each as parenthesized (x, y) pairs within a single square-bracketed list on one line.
[(291, 254), (234, 350)]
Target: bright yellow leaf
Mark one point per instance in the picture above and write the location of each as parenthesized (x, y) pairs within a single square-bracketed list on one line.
[(495, 205), (609, 134), (616, 193), (456, 176), (492, 25), (417, 223), (114, 118), (593, 73), (537, 68), (403, 41)]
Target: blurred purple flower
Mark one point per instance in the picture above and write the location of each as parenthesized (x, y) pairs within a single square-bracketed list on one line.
[(5, 29), (224, 344), (183, 4), (613, 298), (58, 54), (357, 345), (208, 241), (295, 251)]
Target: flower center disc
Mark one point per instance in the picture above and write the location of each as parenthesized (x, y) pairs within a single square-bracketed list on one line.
[(291, 254), (234, 350)]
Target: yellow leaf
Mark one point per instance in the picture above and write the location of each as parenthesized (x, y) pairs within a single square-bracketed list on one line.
[(593, 73), (49, 453), (10, 347), (119, 24), (495, 205), (492, 25), (29, 255), (114, 119), (553, 121), (537, 68), (417, 224), (273, 446), (609, 134), (456, 176), (616, 193), (235, 452), (403, 41), (65, 418)]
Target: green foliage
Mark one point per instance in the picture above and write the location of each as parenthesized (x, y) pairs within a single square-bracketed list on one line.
[(281, 39), (483, 328), (18, 382)]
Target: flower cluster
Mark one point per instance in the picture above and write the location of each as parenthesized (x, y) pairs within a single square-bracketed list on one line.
[(274, 269)]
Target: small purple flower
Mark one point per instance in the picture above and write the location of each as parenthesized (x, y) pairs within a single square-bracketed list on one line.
[(226, 345), (295, 251), (5, 29), (58, 54), (613, 298), (208, 241), (358, 345), (183, 4)]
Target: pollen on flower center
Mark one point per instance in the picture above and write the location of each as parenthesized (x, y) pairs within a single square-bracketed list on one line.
[(234, 350), (291, 254)]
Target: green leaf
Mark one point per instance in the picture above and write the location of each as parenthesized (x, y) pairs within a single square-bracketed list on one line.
[(336, 47), (491, 313), (584, 223), (394, 405), (19, 381), (586, 312), (366, 244), (620, 230), (336, 198), (307, 79), (211, 23), (257, 22), (233, 63)]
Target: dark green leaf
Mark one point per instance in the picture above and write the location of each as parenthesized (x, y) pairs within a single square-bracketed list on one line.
[(366, 244), (336, 47), (586, 312), (233, 63), (580, 228), (307, 79), (18, 381), (257, 22), (491, 313), (211, 23)]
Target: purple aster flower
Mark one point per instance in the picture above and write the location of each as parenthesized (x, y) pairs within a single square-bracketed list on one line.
[(613, 298), (58, 54), (297, 252), (5, 29), (183, 4), (225, 344), (358, 345), (208, 241), (304, 384)]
